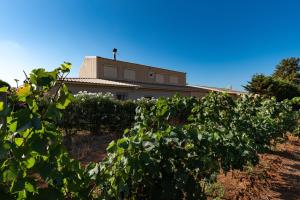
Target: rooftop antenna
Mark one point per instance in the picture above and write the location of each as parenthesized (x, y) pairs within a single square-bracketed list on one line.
[(115, 53)]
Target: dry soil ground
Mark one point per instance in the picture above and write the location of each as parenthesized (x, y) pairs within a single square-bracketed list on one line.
[(276, 177)]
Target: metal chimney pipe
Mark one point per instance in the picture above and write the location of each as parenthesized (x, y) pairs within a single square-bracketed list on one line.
[(115, 53)]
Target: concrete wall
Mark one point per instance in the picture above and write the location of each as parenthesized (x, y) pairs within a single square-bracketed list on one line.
[(88, 68)]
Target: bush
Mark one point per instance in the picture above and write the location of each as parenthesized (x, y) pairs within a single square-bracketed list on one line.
[(153, 165), (165, 111), (165, 160), (33, 162), (101, 113), (98, 113)]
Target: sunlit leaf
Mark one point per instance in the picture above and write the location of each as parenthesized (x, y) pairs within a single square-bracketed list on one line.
[(66, 67), (22, 194), (3, 89), (24, 91), (1, 105), (29, 187), (19, 141), (30, 162), (111, 147), (123, 143)]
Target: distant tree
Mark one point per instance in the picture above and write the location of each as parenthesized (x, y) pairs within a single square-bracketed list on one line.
[(282, 89), (288, 70), (259, 84), (270, 86), (283, 84)]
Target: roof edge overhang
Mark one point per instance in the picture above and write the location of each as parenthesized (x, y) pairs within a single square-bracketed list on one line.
[(229, 91), (99, 84)]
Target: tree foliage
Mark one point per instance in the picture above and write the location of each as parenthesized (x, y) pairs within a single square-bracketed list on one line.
[(269, 86), (283, 84), (288, 70)]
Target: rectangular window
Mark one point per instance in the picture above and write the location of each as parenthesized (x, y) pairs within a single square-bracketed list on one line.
[(121, 96), (110, 72), (159, 78), (174, 80), (129, 74)]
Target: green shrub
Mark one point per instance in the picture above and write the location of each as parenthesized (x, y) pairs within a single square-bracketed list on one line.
[(33, 162), (98, 113), (164, 111), (160, 159), (153, 165)]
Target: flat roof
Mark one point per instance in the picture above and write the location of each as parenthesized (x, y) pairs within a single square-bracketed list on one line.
[(136, 64)]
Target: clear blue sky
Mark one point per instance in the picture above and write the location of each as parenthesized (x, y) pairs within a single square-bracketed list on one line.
[(217, 42)]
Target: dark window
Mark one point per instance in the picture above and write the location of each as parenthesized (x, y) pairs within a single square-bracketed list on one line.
[(121, 96)]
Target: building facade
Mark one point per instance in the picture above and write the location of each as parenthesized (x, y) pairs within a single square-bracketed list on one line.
[(103, 68), (131, 81)]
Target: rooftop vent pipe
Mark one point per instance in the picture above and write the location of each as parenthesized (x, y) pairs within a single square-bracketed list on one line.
[(115, 53)]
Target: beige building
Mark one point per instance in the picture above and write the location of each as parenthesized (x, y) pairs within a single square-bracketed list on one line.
[(131, 81)]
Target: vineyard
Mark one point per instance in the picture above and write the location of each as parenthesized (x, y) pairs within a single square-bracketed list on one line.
[(171, 148)]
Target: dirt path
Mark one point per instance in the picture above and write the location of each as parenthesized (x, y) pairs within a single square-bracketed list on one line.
[(276, 177), (287, 183)]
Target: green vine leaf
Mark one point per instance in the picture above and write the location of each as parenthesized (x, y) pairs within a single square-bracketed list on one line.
[(1, 106), (30, 162), (19, 141), (3, 89), (29, 187)]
